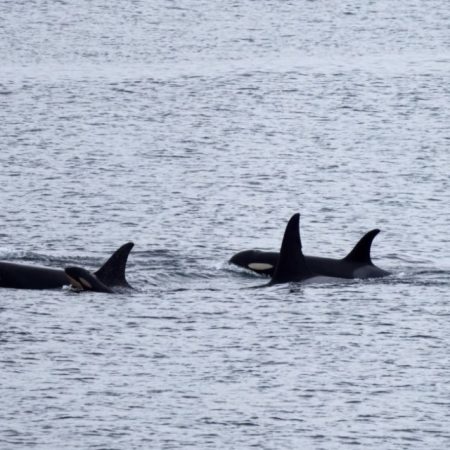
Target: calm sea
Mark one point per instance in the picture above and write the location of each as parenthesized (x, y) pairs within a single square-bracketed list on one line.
[(196, 129)]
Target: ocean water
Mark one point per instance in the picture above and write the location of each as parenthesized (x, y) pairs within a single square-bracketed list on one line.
[(196, 129)]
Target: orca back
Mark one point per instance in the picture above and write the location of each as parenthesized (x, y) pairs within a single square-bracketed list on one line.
[(22, 276)]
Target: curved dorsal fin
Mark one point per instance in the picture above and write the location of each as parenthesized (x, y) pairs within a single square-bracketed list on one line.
[(291, 264), (112, 273), (361, 251)]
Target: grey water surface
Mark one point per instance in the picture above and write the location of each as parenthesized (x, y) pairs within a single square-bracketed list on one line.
[(196, 129)]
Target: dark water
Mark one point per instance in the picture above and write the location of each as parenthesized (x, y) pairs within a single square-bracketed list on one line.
[(196, 129)]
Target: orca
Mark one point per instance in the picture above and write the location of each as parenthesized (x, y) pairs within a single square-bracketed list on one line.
[(110, 278), (357, 264), (22, 276), (292, 265)]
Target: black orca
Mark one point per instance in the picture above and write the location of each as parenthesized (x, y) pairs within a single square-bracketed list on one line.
[(357, 264), (109, 278), (21, 276), (292, 264)]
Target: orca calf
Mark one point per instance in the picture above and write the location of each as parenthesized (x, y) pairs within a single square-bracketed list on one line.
[(21, 276), (357, 264), (109, 278)]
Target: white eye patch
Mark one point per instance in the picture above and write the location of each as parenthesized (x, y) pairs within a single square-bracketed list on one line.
[(85, 283), (75, 283), (260, 266)]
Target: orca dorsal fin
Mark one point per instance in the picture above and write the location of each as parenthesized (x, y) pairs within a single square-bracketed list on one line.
[(291, 264), (361, 251), (112, 273)]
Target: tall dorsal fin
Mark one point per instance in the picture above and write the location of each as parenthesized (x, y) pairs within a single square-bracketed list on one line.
[(361, 251), (291, 264), (112, 273)]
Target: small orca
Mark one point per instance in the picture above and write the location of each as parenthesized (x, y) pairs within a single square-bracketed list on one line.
[(109, 278), (21, 276), (357, 264)]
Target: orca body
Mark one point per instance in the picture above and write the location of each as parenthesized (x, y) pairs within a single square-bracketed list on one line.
[(357, 264), (109, 278), (22, 276)]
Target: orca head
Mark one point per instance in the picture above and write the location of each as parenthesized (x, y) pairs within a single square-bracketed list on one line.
[(291, 264), (83, 280), (256, 260)]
